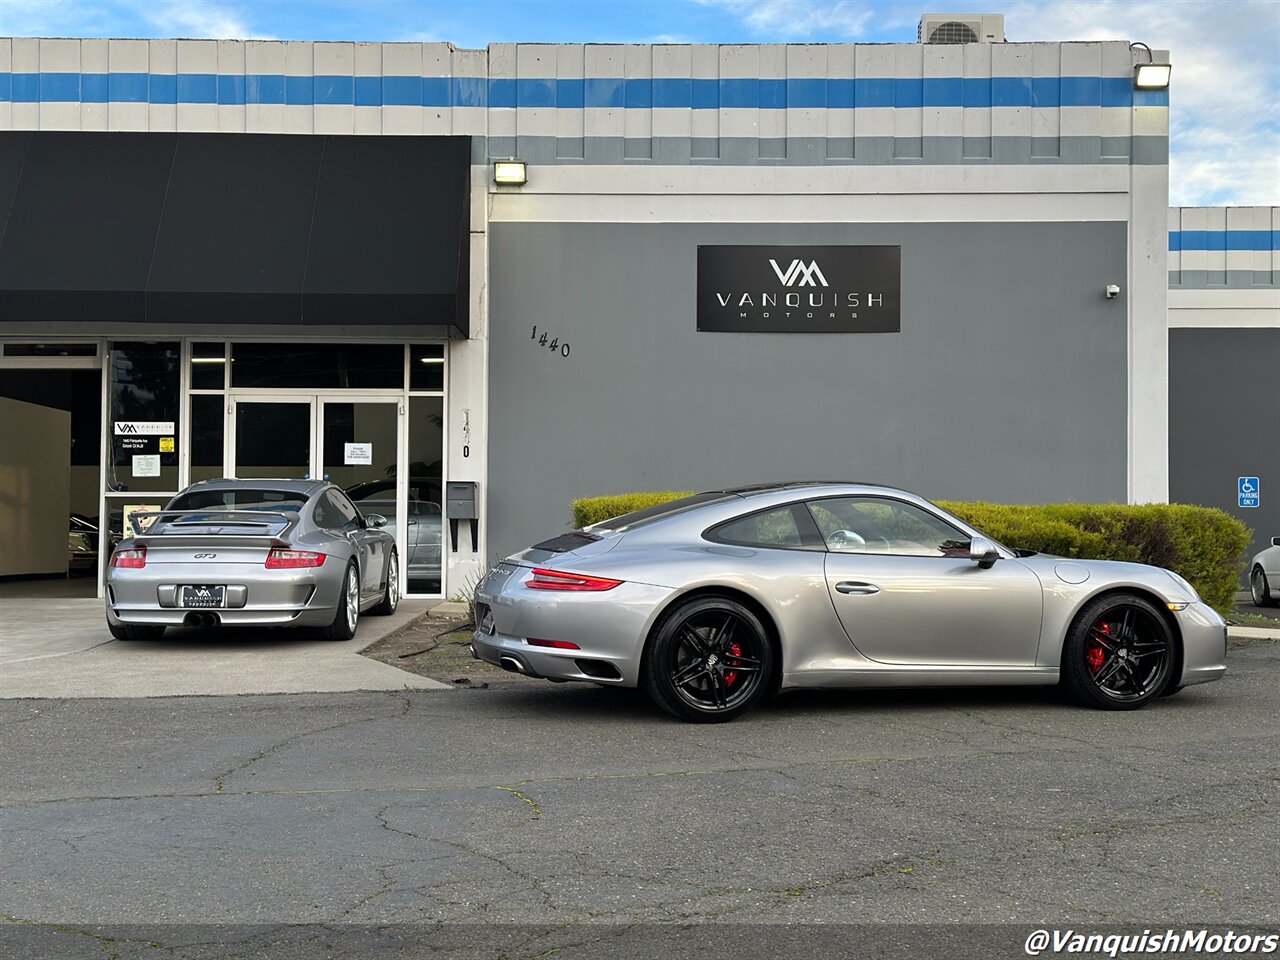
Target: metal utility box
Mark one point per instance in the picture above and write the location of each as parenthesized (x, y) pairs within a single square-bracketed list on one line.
[(461, 500)]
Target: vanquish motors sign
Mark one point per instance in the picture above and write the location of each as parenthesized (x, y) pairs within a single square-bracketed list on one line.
[(844, 289)]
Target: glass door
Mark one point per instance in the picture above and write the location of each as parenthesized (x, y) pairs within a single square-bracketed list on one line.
[(273, 437), (360, 444)]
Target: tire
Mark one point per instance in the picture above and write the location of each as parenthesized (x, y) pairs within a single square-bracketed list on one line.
[(346, 619), (1260, 588), (391, 590), (1119, 653), (709, 660), (132, 631)]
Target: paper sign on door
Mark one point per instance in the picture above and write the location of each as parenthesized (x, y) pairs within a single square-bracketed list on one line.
[(357, 454)]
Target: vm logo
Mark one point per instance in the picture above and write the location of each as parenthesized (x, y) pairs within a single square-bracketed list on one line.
[(799, 274)]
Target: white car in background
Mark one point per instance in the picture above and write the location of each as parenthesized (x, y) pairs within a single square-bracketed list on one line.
[(1264, 575)]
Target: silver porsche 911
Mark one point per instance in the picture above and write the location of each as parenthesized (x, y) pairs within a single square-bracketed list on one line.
[(252, 553), (716, 601)]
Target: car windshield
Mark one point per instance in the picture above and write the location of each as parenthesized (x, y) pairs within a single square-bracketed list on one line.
[(671, 507), (240, 498)]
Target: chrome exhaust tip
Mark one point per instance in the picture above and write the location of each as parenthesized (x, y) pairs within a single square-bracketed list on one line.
[(511, 664)]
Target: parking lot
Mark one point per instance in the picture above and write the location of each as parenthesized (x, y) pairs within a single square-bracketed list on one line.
[(563, 816)]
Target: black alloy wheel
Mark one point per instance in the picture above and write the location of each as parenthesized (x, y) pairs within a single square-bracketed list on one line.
[(710, 660), (1120, 653)]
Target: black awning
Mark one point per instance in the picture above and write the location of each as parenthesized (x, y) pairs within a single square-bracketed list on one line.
[(234, 229)]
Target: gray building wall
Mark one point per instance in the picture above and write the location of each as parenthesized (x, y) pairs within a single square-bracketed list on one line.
[(1007, 382), (1224, 420)]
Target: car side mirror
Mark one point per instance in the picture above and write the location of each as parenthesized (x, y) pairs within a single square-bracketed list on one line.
[(983, 552), (375, 520)]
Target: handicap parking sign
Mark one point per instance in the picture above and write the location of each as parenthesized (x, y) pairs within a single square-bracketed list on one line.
[(1249, 492)]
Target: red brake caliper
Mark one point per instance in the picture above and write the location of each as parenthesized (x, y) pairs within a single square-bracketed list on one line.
[(1094, 654), (732, 675)]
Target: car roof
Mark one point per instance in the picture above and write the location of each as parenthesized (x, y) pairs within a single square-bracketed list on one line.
[(307, 487), (808, 486)]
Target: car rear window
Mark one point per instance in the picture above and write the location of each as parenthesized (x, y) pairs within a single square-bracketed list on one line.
[(670, 508), (247, 498)]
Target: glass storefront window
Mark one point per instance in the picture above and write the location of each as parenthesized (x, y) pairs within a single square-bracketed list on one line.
[(425, 526), (50, 349), (208, 366), (426, 366), (207, 427), (143, 393), (318, 366)]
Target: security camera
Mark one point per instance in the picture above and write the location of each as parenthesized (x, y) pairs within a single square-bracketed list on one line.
[(1113, 290)]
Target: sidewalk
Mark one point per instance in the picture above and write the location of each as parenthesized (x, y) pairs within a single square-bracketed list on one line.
[(61, 648)]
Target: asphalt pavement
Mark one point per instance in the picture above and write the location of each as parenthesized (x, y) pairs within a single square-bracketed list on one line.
[(546, 819)]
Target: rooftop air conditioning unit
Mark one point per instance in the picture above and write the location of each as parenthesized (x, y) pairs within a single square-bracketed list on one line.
[(961, 28)]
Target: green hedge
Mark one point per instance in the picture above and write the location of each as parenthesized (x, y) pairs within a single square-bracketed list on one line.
[(1203, 545), (594, 509)]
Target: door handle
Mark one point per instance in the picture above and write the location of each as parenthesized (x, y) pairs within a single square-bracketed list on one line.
[(856, 588)]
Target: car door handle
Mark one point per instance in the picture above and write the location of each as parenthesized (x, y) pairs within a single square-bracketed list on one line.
[(856, 588)]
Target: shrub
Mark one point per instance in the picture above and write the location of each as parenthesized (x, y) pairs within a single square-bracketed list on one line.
[(594, 509), (1203, 545)]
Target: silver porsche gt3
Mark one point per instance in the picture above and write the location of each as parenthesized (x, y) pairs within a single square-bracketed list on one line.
[(716, 601), (252, 553)]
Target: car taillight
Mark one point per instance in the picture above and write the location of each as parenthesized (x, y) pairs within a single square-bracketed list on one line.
[(280, 559), (544, 579), (134, 558), (554, 644)]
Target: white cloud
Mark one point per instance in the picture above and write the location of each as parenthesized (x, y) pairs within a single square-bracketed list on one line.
[(196, 19), (801, 19), (1225, 96)]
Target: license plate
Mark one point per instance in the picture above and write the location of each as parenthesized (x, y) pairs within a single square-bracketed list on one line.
[(204, 596)]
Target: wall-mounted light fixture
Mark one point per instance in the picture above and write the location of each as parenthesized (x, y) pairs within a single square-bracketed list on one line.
[(510, 173), (1113, 290), (1150, 75)]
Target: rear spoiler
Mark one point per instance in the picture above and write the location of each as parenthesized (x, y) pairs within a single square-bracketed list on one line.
[(175, 520)]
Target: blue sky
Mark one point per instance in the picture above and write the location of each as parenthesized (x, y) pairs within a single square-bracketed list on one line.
[(1225, 98)]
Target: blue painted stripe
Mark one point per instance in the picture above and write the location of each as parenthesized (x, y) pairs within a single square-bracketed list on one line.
[(163, 88), (127, 87), (610, 92), (467, 91), (1224, 240)]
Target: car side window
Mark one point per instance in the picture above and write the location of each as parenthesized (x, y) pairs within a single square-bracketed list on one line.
[(348, 515), (335, 512), (780, 527), (882, 526)]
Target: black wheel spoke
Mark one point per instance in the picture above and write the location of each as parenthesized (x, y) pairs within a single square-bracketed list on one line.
[(1126, 626), (735, 661), (717, 689), (1108, 669), (724, 634), (1134, 679), (689, 671), (694, 640), (1103, 640)]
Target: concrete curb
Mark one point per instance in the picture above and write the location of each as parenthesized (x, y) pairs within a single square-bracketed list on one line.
[(449, 608), (1252, 633)]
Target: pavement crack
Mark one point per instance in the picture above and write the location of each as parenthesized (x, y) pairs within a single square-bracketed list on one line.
[(220, 780), (521, 795)]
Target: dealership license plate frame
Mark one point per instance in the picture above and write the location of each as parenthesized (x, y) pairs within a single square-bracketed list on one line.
[(188, 599)]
